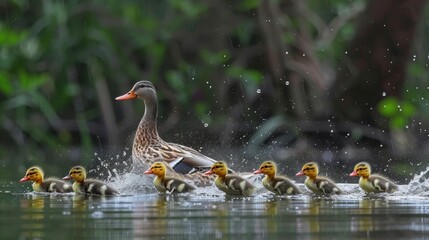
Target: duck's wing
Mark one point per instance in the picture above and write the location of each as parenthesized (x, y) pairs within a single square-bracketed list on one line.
[(53, 184), (238, 184), (174, 185), (191, 156), (93, 186), (327, 186), (381, 183), (283, 185)]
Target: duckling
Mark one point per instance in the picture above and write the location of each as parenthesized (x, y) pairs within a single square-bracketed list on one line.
[(165, 183), (229, 183), (317, 184), (88, 186), (50, 184), (372, 182), (277, 184)]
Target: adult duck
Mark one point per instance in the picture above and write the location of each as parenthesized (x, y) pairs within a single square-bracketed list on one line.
[(83, 185), (40, 184), (148, 146), (167, 184), (316, 183), (279, 185), (372, 183)]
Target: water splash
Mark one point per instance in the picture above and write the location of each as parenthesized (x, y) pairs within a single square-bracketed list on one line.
[(419, 185)]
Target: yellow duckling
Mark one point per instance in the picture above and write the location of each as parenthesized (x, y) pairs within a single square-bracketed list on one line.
[(317, 184), (277, 184), (88, 186), (229, 183), (165, 183), (40, 184), (372, 182)]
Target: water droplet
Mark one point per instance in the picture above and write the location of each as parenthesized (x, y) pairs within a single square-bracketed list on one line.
[(383, 94), (206, 124), (258, 90), (287, 83)]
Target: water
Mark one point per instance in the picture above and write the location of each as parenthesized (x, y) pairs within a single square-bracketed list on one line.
[(207, 214)]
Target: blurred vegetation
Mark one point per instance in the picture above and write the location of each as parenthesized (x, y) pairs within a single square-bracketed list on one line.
[(243, 68)]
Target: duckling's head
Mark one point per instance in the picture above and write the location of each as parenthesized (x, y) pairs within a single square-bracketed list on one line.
[(362, 169), (157, 168), (218, 168), (142, 89), (310, 169), (34, 174), (77, 173), (268, 168)]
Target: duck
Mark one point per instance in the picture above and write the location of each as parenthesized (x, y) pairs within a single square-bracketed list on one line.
[(372, 183), (40, 184), (279, 185), (315, 183), (83, 185), (167, 184), (230, 183), (149, 147)]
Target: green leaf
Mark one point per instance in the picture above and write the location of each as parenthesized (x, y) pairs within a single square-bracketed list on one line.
[(388, 107), (398, 122)]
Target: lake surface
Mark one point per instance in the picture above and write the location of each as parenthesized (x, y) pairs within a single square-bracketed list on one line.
[(208, 214)]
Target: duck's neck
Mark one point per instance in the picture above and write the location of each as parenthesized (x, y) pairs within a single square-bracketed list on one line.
[(150, 110), (270, 175), (147, 127)]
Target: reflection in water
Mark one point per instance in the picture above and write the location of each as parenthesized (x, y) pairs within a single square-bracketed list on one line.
[(32, 217), (152, 216)]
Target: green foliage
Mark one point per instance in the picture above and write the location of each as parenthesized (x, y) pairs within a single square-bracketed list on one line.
[(398, 112)]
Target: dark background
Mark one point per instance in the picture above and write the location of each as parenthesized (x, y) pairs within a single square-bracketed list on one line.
[(244, 81)]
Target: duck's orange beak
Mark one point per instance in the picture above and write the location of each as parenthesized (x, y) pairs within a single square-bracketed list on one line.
[(129, 95), (257, 171), (353, 174), (24, 179), (209, 172), (67, 177), (149, 171), (300, 173)]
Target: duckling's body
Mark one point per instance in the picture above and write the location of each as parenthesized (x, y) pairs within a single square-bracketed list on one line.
[(277, 184), (315, 183), (82, 185), (372, 183), (167, 184), (230, 183), (40, 184)]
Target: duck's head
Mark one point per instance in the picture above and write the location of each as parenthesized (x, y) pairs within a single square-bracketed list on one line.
[(157, 168), (310, 169), (268, 168), (218, 168), (362, 169), (34, 174), (77, 173), (142, 89)]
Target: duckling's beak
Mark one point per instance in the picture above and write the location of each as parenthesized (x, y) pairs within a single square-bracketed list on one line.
[(209, 172), (67, 177), (257, 171), (353, 174), (24, 179), (300, 173), (129, 95), (149, 171)]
